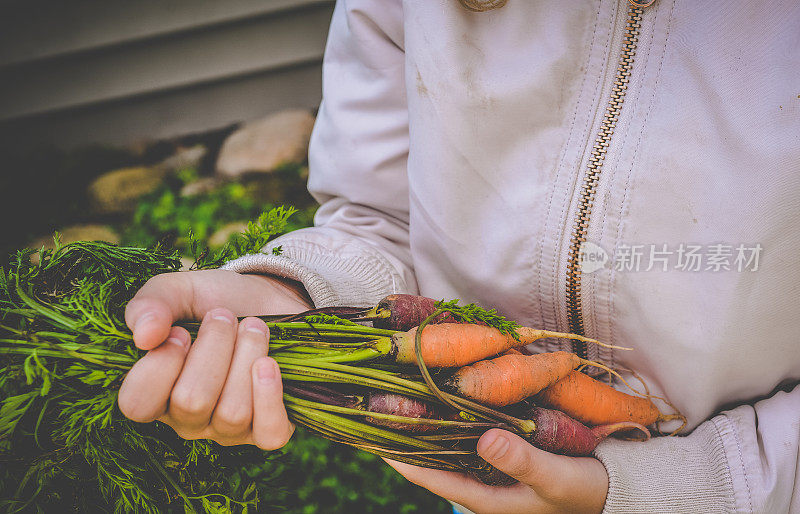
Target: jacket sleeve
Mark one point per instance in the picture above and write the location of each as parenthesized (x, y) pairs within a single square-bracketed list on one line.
[(743, 460), (358, 250)]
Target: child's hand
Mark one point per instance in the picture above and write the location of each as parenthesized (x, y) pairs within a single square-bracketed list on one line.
[(221, 386), (548, 483)]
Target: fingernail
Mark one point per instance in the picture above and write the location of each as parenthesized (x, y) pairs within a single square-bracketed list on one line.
[(266, 371), (177, 341), (143, 320), (255, 326), (497, 448), (221, 315)]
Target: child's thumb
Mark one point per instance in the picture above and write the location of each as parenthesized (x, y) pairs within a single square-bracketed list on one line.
[(516, 457)]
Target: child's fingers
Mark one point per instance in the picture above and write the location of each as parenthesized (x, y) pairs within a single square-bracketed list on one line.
[(204, 373), (151, 322), (233, 416), (271, 426), (146, 389), (163, 300), (170, 297)]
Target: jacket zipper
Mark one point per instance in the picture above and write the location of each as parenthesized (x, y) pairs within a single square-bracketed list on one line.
[(595, 166)]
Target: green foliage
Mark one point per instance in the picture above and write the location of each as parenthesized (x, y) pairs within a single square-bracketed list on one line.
[(61, 450), (63, 442), (471, 313), (329, 319), (257, 234), (123, 269), (165, 213), (328, 477)]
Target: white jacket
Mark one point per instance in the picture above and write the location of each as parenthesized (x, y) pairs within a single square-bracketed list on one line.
[(450, 155)]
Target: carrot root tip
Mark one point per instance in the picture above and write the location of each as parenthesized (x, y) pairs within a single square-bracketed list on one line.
[(626, 430), (670, 417)]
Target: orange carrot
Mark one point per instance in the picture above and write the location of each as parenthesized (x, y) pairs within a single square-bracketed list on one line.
[(455, 344), (511, 378), (595, 403)]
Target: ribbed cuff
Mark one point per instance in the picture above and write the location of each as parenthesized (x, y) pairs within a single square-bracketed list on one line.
[(334, 271), (669, 474)]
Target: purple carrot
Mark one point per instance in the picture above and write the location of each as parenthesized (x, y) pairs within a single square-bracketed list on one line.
[(558, 433), (399, 405), (404, 312), (380, 402)]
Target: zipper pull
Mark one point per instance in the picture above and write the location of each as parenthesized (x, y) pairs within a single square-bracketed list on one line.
[(641, 4)]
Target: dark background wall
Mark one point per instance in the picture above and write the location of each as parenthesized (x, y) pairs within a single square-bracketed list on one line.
[(114, 71)]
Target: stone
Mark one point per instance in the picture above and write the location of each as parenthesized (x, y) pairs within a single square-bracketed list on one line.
[(262, 146), (221, 236), (183, 158), (118, 191), (201, 186)]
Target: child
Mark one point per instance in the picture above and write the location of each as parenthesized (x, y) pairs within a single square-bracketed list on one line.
[(485, 156)]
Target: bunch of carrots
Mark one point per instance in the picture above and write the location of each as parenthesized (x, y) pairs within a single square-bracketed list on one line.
[(479, 380), (411, 379)]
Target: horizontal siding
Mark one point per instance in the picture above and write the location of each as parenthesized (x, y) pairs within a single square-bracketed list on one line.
[(175, 113), (172, 61), (37, 29), (72, 78)]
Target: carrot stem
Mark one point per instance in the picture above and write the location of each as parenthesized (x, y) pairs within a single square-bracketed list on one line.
[(391, 382), (444, 423), (423, 369), (357, 428)]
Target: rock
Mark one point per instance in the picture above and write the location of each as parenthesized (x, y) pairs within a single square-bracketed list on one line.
[(118, 191), (184, 158), (221, 236), (201, 186), (264, 145), (89, 232)]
